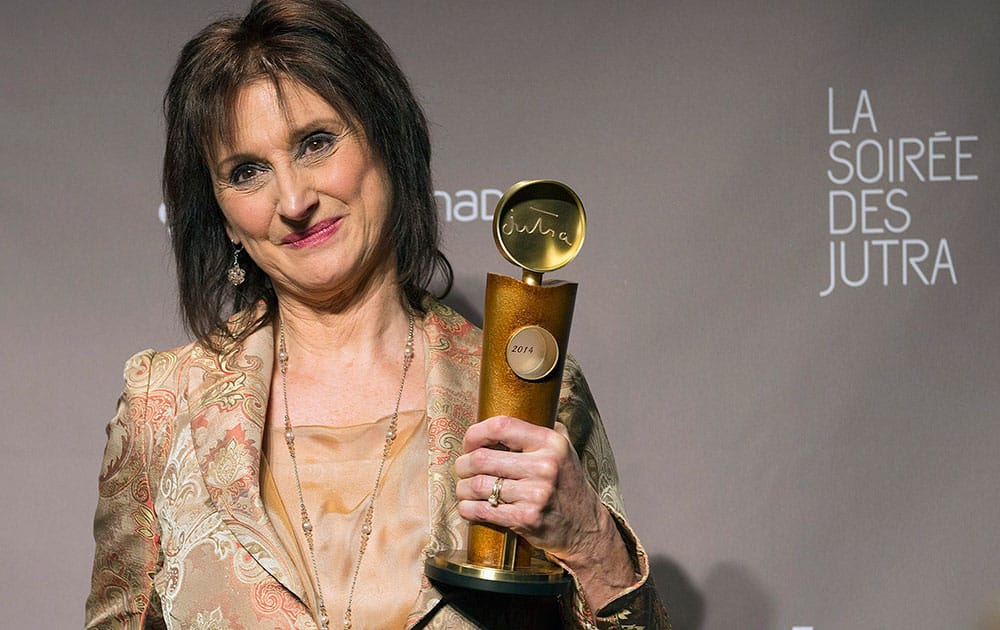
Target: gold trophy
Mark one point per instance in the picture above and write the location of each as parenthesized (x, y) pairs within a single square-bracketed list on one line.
[(539, 226)]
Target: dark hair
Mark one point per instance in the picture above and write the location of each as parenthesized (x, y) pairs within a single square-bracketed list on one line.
[(326, 47)]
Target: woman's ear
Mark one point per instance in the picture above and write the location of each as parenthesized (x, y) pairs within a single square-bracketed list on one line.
[(231, 233)]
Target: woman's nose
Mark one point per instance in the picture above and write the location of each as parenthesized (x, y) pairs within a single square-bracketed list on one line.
[(297, 196)]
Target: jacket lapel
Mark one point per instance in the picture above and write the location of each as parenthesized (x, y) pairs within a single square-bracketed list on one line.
[(228, 402), (452, 349)]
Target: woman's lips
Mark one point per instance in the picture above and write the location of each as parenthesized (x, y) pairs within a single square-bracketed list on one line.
[(315, 235)]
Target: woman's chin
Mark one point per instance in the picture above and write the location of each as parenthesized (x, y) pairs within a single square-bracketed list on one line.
[(328, 290)]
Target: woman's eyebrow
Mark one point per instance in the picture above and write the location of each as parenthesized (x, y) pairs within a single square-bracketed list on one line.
[(333, 124)]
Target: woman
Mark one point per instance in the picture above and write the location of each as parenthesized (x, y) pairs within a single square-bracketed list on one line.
[(299, 462)]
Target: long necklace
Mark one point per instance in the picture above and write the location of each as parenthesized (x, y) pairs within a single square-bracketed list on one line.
[(366, 527)]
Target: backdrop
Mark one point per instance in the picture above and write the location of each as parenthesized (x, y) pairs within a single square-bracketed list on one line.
[(788, 294)]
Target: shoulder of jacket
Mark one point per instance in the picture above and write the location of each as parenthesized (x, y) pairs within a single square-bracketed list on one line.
[(573, 381), (152, 368)]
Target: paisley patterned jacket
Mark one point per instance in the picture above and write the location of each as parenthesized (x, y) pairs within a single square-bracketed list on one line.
[(182, 537)]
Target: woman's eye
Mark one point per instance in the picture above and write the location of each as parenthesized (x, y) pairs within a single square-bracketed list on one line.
[(243, 174), (317, 143)]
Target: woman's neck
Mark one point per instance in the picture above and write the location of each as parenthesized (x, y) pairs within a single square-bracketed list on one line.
[(373, 324)]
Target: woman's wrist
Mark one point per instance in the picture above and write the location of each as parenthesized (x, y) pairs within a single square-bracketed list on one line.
[(602, 567)]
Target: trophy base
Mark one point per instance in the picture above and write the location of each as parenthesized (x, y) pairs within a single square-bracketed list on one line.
[(542, 578)]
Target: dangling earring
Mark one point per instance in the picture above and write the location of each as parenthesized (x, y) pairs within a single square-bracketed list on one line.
[(236, 274)]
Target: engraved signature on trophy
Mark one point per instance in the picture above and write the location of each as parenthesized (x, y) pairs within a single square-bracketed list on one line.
[(510, 226)]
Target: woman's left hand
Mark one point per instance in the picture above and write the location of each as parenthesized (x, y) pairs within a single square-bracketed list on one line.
[(545, 496)]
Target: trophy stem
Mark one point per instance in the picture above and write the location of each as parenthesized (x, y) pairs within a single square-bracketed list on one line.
[(532, 278)]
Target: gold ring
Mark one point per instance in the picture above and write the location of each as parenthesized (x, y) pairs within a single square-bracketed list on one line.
[(494, 498)]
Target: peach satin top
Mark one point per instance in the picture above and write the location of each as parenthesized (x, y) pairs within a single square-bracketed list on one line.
[(337, 468)]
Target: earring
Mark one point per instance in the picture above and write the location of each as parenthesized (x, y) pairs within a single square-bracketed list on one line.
[(235, 273)]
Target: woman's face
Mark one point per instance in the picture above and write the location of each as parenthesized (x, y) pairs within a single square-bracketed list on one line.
[(302, 192)]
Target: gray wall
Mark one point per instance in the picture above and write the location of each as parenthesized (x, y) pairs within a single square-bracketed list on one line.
[(789, 458)]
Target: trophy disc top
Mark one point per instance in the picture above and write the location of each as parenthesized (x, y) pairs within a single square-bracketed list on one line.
[(539, 225)]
